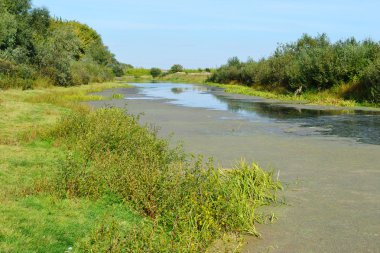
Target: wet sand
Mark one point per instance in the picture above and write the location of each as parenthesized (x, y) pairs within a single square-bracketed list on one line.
[(333, 184)]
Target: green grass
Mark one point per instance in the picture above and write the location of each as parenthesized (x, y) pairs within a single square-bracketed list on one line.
[(184, 77), (191, 202), (97, 181), (331, 97), (117, 96), (137, 72), (31, 220)]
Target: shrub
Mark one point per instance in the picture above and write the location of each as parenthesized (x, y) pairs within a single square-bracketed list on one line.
[(313, 63), (369, 83), (176, 68), (190, 201), (155, 72)]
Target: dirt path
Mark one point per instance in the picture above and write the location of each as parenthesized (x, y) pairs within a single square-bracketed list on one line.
[(334, 183)]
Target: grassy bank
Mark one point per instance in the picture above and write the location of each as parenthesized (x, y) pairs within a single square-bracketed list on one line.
[(331, 97), (183, 77), (73, 178)]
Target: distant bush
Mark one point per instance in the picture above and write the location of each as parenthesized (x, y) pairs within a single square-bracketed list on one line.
[(155, 72), (176, 68), (190, 203)]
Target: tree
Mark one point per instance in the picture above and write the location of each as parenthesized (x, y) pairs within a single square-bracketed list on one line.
[(155, 72), (56, 53), (40, 20), (176, 68), (8, 30), (16, 7)]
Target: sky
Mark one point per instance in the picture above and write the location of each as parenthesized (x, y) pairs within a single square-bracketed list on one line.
[(205, 33)]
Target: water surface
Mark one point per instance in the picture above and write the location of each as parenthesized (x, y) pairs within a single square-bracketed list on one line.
[(361, 126)]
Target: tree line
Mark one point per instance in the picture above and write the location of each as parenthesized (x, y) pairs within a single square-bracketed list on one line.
[(36, 48), (312, 64)]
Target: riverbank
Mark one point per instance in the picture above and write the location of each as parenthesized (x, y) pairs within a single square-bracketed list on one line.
[(67, 173), (324, 98)]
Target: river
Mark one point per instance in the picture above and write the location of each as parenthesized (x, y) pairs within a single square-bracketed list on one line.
[(328, 158)]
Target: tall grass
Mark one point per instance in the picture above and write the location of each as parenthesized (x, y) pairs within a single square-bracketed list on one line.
[(188, 202)]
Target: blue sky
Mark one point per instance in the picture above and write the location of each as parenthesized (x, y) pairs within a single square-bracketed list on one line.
[(206, 33)]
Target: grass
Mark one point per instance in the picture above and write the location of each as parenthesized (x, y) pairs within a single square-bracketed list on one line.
[(332, 97), (94, 181), (190, 202), (186, 77), (29, 221), (117, 96)]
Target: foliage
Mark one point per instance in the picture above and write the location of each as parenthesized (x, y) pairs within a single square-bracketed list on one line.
[(158, 200), (31, 40), (176, 68), (369, 82), (155, 72), (310, 64), (192, 203), (137, 72), (31, 218)]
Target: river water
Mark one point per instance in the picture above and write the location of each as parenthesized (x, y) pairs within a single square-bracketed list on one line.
[(328, 158), (361, 126)]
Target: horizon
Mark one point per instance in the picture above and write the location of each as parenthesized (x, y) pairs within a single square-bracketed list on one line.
[(206, 34)]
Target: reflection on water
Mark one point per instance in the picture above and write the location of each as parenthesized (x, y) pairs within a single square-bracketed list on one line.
[(359, 125)]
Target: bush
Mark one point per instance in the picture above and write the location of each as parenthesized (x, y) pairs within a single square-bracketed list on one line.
[(313, 63), (176, 68), (84, 72), (155, 72), (191, 202), (369, 83)]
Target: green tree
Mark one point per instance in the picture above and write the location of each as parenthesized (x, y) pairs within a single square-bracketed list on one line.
[(176, 68), (40, 20), (16, 7), (56, 53), (370, 82), (8, 30), (155, 72)]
